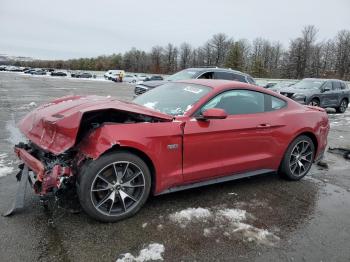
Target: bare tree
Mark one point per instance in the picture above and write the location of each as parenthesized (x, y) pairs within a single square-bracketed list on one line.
[(185, 55), (156, 59), (220, 44), (343, 54), (170, 58)]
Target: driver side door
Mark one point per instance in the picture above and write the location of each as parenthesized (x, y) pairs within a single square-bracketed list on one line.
[(240, 143)]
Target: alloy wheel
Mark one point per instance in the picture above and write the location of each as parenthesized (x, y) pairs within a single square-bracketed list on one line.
[(343, 106), (117, 188), (314, 103), (301, 158)]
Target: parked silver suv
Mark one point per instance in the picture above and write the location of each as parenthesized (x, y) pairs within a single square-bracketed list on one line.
[(320, 92), (197, 73)]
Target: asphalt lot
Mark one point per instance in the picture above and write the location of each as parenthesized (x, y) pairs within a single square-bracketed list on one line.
[(307, 220)]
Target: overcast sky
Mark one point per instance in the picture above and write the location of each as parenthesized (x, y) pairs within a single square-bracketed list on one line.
[(84, 28)]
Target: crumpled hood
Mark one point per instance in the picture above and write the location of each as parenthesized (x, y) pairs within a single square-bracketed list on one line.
[(54, 126), (153, 84)]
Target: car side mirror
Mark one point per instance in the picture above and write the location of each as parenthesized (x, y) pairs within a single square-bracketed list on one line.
[(213, 113), (326, 89)]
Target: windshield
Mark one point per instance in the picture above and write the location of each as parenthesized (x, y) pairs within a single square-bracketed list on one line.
[(183, 75), (173, 98), (309, 84)]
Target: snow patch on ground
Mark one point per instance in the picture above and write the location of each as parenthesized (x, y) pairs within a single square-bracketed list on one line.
[(340, 119), (250, 233), (15, 134), (151, 252), (5, 169), (228, 221), (27, 106), (184, 217)]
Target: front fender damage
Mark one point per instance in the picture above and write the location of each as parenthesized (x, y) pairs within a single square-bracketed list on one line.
[(97, 142)]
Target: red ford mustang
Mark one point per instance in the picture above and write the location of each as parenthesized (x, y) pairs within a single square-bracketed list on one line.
[(178, 136)]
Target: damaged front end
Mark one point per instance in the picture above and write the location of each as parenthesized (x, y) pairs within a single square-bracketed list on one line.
[(51, 159), (49, 175), (48, 172)]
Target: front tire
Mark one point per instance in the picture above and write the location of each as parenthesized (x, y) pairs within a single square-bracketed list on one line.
[(114, 187), (315, 102), (298, 158)]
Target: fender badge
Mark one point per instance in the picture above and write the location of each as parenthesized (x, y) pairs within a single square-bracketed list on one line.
[(173, 146)]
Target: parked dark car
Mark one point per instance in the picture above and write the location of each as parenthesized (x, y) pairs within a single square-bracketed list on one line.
[(81, 75), (283, 84), (49, 70), (38, 72), (154, 78), (270, 84), (320, 92), (29, 71), (58, 73), (197, 73)]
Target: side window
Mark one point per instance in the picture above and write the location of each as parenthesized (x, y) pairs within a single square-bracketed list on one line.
[(336, 85), (236, 102), (328, 85), (240, 78), (273, 103), (343, 85), (207, 75), (230, 76), (251, 80), (223, 75)]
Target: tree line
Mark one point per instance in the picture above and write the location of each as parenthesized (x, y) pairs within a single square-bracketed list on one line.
[(304, 57)]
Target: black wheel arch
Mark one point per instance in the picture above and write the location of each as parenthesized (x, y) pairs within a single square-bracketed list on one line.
[(344, 98), (309, 134), (314, 97)]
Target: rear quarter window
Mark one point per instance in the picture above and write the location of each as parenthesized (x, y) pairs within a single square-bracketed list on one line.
[(240, 78), (273, 103), (336, 85)]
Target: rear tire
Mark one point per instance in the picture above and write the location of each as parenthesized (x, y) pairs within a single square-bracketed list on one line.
[(342, 106), (114, 187), (298, 158)]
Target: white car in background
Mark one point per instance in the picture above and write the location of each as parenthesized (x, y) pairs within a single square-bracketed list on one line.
[(141, 77), (113, 74), (130, 78)]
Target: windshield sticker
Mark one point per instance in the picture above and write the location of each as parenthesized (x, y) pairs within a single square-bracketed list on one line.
[(150, 104), (192, 89)]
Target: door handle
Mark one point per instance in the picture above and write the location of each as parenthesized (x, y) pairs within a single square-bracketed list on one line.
[(263, 126)]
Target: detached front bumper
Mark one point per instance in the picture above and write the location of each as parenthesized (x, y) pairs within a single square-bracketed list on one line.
[(31, 162), (42, 179)]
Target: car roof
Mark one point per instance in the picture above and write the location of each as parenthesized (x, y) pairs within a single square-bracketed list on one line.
[(216, 69), (323, 79), (218, 84)]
